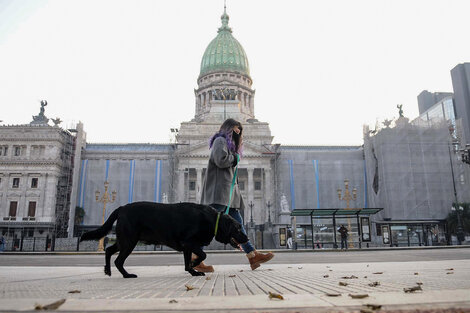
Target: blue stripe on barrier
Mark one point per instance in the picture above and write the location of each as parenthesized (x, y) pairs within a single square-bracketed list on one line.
[(131, 180), (156, 196), (317, 182), (84, 184), (365, 186), (292, 187), (107, 170)]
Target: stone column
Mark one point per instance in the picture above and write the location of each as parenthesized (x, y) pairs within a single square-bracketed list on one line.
[(180, 194), (268, 191), (198, 184), (251, 189)]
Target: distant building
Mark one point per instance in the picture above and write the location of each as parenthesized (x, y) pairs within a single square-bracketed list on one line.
[(428, 99), (410, 170), (37, 164), (461, 83)]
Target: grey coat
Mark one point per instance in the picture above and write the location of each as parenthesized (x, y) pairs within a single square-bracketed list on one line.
[(219, 176)]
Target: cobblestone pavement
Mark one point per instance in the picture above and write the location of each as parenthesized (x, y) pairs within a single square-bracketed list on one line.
[(304, 287)]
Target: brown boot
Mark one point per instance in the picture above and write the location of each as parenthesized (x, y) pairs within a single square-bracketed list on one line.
[(204, 268), (256, 258)]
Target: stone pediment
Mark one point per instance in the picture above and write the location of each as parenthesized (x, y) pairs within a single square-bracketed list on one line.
[(201, 149)]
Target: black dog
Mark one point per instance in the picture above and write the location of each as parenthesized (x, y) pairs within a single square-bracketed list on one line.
[(181, 226)]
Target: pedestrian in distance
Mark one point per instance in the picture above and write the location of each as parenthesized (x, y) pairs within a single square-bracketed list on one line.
[(220, 186), (2, 244), (344, 237)]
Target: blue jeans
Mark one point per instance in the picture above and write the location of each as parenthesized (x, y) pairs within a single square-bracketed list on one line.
[(235, 213)]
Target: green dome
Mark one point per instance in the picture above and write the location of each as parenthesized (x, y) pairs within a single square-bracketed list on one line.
[(224, 53)]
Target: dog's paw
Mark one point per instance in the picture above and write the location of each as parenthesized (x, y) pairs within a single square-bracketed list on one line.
[(107, 271), (130, 276)]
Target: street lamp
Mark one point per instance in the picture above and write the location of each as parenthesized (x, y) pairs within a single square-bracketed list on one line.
[(460, 234), (348, 197), (466, 154), (269, 212), (104, 199), (251, 214)]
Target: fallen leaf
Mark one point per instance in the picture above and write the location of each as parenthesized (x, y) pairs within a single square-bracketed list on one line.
[(289, 267), (449, 273), (333, 294), (367, 265), (173, 301), (412, 289), (449, 269), (241, 271), (270, 269), (273, 295), (74, 291), (189, 287), (358, 296), (374, 284), (330, 270), (373, 307), (50, 306), (342, 283), (300, 268), (326, 276), (232, 275), (208, 278), (378, 273), (349, 277), (365, 276), (416, 273), (419, 283)]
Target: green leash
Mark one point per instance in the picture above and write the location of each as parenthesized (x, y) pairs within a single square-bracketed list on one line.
[(230, 198)]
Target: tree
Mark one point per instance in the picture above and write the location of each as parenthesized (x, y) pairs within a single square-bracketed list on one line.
[(453, 220), (79, 214)]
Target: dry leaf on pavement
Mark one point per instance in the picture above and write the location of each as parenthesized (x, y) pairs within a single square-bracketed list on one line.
[(50, 306), (449, 273), (349, 277), (374, 284), (373, 307), (333, 294), (172, 301), (326, 276), (419, 283), (416, 273), (378, 273), (74, 291), (359, 296), (208, 278), (232, 275), (342, 283), (273, 295), (449, 269), (412, 289), (189, 287)]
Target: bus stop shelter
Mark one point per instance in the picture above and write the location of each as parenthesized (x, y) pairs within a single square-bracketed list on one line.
[(336, 213)]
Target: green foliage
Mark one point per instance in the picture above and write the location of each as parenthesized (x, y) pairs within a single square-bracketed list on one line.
[(452, 219), (79, 214)]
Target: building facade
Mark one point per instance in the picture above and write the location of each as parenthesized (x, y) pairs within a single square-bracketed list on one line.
[(408, 170)]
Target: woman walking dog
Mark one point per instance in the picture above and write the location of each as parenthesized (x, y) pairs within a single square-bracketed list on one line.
[(220, 187)]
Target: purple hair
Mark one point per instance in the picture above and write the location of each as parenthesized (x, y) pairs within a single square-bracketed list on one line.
[(226, 131)]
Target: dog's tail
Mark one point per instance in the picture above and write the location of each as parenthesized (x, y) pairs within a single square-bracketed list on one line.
[(103, 230)]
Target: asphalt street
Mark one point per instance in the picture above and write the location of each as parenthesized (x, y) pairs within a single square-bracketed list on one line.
[(235, 257)]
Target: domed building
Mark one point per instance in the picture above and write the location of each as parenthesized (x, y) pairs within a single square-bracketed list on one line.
[(390, 171)]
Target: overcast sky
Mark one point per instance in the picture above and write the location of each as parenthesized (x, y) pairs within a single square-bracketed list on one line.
[(321, 69)]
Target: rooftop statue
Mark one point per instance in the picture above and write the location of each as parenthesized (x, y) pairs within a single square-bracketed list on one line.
[(41, 117), (400, 110)]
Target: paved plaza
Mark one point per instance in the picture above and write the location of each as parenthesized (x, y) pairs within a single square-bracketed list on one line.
[(315, 287)]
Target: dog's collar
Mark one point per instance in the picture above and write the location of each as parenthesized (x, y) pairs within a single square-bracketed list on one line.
[(217, 223)]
